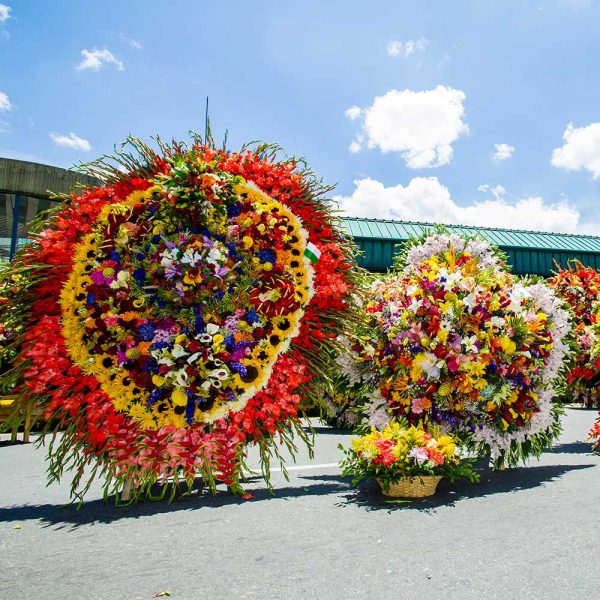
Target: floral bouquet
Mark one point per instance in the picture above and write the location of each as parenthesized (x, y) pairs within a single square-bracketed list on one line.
[(8, 335), (459, 343), (179, 313), (400, 453), (580, 287), (595, 435)]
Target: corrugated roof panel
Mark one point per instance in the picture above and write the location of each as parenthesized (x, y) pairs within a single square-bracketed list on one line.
[(507, 238)]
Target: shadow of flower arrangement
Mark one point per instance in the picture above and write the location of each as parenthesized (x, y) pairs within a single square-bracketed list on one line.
[(369, 496)]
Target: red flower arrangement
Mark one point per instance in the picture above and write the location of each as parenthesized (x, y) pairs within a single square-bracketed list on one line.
[(100, 434), (595, 435), (580, 287)]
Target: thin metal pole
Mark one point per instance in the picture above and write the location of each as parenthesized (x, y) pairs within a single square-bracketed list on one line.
[(15, 223)]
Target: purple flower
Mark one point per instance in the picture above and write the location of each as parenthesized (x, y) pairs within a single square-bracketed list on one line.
[(419, 454)]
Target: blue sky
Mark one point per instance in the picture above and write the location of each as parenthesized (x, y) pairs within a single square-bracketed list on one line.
[(432, 86)]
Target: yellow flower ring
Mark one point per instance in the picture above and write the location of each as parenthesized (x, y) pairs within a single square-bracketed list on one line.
[(179, 304)]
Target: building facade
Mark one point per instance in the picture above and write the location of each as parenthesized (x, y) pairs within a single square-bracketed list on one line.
[(26, 190)]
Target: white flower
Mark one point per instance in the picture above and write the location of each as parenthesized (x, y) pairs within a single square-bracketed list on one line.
[(179, 351), (470, 301), (431, 365), (191, 257), (377, 411), (470, 344), (414, 305), (496, 321), (181, 378), (211, 329)]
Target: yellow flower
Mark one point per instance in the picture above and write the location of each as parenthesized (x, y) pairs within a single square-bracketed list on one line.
[(179, 397), (137, 412), (476, 368), (192, 279), (158, 380), (508, 346), (445, 389)]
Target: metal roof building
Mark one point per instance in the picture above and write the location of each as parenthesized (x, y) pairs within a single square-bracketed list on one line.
[(529, 252), (24, 194)]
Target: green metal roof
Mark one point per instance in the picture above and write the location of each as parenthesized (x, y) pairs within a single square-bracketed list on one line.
[(527, 252), (398, 231)]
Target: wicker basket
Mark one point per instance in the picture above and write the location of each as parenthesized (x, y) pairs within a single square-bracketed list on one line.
[(417, 487)]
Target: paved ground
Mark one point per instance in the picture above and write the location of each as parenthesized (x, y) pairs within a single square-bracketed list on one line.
[(527, 533)]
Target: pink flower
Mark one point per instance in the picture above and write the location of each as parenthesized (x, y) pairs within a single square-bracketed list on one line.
[(453, 363), (417, 406)]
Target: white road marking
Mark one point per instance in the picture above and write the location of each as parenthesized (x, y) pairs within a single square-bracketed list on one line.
[(300, 467)]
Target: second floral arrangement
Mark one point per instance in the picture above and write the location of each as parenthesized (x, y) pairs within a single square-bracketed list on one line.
[(454, 341)]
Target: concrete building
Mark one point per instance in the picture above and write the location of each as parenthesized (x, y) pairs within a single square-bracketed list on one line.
[(26, 190)]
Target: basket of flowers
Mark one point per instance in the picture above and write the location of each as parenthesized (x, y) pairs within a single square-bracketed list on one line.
[(408, 462)]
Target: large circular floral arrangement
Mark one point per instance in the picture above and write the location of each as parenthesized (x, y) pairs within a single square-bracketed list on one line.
[(459, 343), (179, 312), (580, 287)]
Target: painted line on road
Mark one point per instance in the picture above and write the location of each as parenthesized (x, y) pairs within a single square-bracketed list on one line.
[(300, 467)]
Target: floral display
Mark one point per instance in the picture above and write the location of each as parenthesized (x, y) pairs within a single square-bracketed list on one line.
[(398, 451), (580, 287), (180, 312), (9, 332), (595, 435), (455, 341)]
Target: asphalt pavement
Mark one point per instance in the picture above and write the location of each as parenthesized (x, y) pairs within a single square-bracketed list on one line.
[(525, 533)]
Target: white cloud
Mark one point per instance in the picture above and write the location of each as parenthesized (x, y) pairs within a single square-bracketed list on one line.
[(133, 43), (421, 126), (353, 113), (4, 13), (502, 152), (357, 142), (71, 140), (4, 102), (497, 190), (425, 199), (581, 149), (95, 59), (396, 48), (354, 147)]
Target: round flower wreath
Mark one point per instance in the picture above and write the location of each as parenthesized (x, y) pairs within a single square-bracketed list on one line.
[(454, 341), (178, 313)]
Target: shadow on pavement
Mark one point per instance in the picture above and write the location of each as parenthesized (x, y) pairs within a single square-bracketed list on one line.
[(368, 494), (98, 511), (324, 429), (7, 443), (572, 448)]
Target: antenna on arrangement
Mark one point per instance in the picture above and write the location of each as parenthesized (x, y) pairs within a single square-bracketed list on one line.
[(206, 125)]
